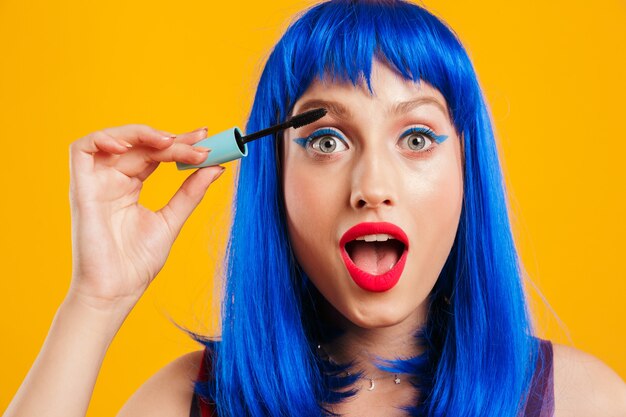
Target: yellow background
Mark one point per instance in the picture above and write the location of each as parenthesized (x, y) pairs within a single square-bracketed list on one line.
[(553, 72)]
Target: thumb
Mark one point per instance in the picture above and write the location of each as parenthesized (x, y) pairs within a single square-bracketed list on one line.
[(188, 196)]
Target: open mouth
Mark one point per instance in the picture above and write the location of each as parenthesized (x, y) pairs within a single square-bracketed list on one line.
[(376, 257), (374, 254)]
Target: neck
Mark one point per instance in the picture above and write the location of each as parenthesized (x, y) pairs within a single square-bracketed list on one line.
[(364, 345)]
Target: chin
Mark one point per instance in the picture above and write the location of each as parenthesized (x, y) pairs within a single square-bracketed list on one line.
[(379, 317)]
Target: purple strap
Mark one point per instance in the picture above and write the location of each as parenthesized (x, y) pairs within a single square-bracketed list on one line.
[(540, 401)]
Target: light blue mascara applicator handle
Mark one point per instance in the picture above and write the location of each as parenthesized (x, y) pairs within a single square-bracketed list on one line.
[(230, 144), (225, 146)]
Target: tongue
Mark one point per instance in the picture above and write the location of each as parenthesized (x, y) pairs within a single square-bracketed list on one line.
[(375, 258)]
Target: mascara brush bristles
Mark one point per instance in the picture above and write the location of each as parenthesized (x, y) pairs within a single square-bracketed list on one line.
[(296, 122)]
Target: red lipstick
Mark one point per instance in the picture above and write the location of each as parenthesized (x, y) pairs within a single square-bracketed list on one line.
[(365, 280)]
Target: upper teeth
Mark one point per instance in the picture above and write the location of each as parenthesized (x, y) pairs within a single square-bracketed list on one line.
[(375, 238)]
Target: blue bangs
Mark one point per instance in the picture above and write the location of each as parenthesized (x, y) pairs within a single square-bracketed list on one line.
[(479, 349), (340, 39)]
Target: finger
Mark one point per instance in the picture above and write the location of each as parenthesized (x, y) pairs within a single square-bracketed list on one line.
[(141, 161), (83, 150), (188, 196), (179, 152), (146, 172), (165, 132), (137, 134), (100, 141), (192, 137)]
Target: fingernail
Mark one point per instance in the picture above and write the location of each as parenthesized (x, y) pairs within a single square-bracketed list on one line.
[(201, 149), (205, 129), (124, 143), (219, 173), (168, 137)]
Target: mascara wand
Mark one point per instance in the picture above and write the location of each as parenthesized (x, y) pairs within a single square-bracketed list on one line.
[(296, 121), (230, 144)]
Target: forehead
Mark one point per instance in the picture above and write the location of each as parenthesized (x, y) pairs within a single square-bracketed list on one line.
[(388, 89)]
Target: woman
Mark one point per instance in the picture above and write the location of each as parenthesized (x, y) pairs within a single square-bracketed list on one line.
[(317, 318)]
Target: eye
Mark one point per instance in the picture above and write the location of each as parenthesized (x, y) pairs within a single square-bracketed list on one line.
[(326, 141), (325, 144), (421, 139), (418, 141)]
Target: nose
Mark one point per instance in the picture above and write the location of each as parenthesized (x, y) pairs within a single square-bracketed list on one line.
[(374, 180)]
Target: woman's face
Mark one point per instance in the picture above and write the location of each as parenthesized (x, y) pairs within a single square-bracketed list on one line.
[(372, 158)]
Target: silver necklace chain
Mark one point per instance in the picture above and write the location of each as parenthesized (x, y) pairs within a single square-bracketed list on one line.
[(396, 378)]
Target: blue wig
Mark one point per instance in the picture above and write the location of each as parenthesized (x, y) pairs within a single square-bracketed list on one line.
[(479, 346)]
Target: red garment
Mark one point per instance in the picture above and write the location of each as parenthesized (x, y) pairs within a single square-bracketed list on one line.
[(199, 405), (540, 400)]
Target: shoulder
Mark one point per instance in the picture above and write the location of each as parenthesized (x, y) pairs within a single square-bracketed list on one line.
[(168, 392), (585, 386)]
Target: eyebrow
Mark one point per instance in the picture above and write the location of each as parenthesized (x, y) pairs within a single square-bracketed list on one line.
[(340, 111), (407, 106), (336, 109)]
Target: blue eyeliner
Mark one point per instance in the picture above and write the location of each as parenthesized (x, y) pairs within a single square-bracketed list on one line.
[(417, 129), (426, 131), (301, 141), (318, 133)]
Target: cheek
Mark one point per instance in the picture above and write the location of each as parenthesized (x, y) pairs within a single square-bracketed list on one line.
[(312, 204), (440, 204), (437, 205)]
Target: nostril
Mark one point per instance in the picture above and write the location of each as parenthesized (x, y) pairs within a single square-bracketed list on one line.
[(363, 203)]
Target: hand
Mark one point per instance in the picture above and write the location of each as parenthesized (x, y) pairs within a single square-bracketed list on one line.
[(119, 246)]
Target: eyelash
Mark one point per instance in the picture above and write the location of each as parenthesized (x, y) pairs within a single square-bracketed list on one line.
[(432, 136), (320, 134), (331, 132)]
